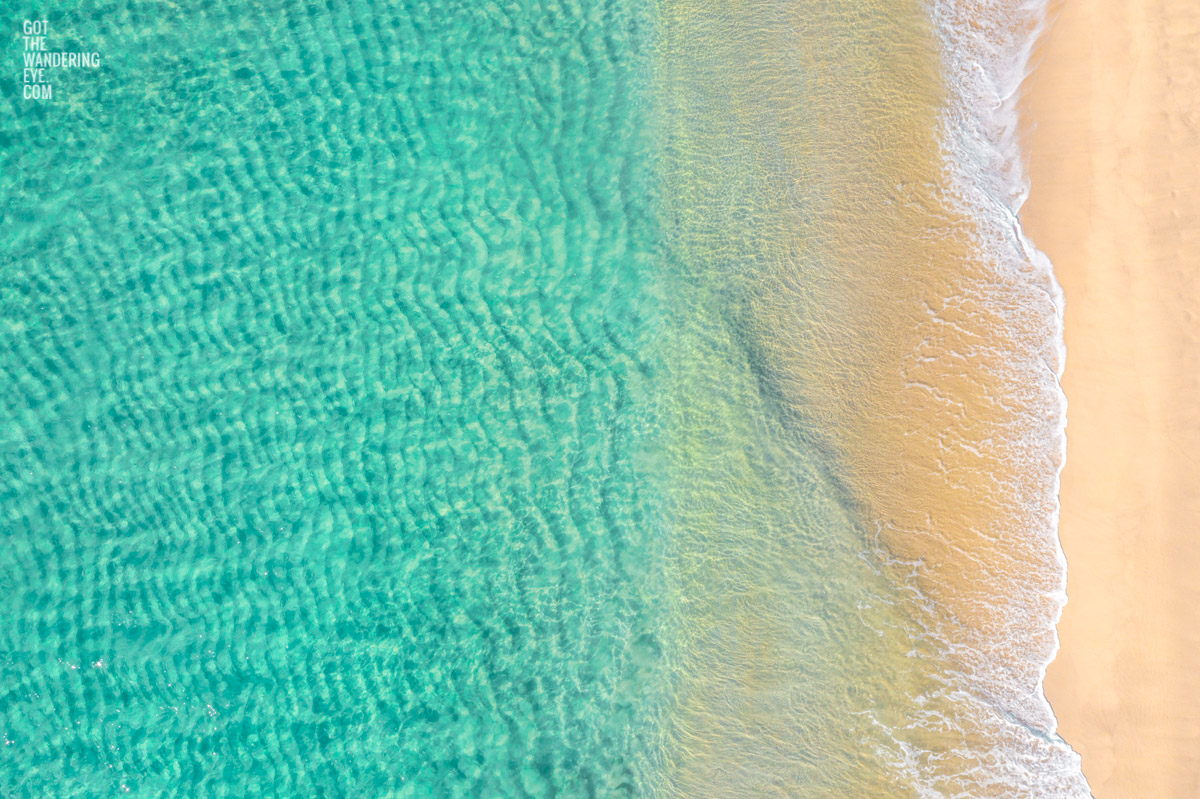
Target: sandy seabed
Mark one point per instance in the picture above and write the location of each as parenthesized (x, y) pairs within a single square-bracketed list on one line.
[(1115, 167)]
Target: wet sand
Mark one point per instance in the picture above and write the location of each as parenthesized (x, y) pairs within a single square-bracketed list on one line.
[(1114, 163)]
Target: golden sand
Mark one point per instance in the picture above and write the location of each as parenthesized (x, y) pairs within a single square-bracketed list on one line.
[(1115, 161)]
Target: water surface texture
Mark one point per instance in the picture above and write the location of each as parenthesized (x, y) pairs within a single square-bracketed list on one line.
[(514, 399)]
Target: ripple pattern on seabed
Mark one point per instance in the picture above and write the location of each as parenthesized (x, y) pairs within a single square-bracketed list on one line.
[(523, 399), (323, 380)]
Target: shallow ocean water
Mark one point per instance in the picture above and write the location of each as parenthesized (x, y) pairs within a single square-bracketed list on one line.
[(469, 399), (324, 368)]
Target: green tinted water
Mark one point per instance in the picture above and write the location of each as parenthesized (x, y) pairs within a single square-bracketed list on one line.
[(325, 374), (400, 399)]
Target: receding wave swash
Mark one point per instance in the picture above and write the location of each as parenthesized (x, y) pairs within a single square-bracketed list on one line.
[(880, 554), (527, 399)]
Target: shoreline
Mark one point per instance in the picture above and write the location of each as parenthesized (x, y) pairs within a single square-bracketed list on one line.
[(1111, 113)]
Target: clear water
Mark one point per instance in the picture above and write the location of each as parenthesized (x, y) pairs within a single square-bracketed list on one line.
[(325, 371), (445, 399)]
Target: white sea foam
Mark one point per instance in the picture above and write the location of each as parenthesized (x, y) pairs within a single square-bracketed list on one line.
[(998, 695)]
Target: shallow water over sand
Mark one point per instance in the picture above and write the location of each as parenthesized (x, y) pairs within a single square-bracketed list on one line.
[(527, 400)]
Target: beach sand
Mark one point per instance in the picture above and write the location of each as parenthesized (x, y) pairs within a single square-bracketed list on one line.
[(1114, 164)]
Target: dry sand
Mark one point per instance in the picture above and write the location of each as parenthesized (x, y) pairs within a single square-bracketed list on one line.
[(1115, 167)]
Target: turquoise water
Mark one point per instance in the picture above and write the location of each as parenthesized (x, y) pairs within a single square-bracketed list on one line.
[(324, 361), (426, 399)]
